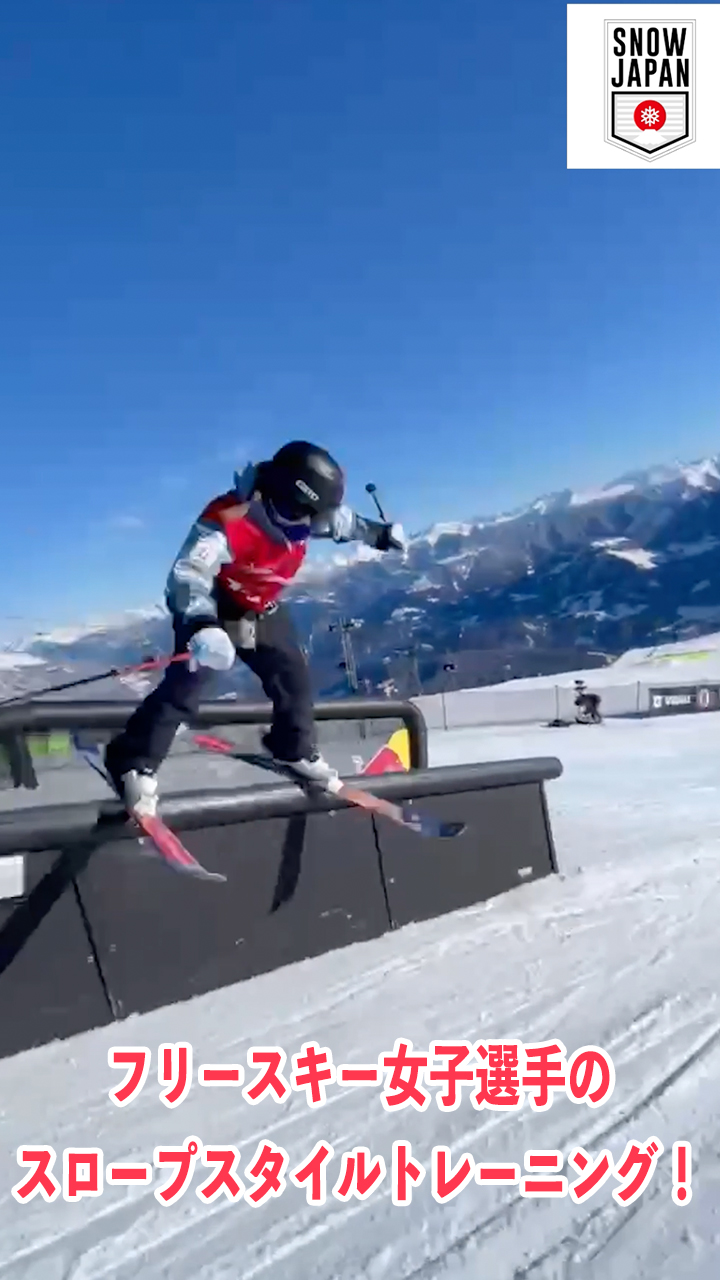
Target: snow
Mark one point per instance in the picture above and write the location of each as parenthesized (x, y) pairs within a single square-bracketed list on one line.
[(683, 661), (405, 612), (636, 555), (600, 495), (324, 561), (694, 649), (697, 475), (357, 554), (71, 635), (462, 556), (621, 951), (622, 548), (452, 528), (9, 661), (508, 519)]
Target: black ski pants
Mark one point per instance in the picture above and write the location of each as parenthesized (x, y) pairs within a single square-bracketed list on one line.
[(277, 660)]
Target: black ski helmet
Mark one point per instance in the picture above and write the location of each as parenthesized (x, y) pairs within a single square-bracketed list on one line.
[(302, 480)]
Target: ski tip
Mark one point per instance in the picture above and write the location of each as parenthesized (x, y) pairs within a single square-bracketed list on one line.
[(203, 874), (149, 849), (169, 846), (449, 830)]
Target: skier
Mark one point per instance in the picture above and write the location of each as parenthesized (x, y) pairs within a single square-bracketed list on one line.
[(222, 593), (588, 705)]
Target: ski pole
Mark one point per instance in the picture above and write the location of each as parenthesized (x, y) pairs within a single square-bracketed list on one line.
[(113, 673), (372, 490)]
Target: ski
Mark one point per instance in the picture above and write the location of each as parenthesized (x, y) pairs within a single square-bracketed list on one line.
[(164, 841), (404, 815), (172, 849)]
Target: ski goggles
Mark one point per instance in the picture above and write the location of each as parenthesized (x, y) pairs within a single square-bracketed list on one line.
[(292, 520)]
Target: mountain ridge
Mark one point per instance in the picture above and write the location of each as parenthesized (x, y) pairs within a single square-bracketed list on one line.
[(582, 574)]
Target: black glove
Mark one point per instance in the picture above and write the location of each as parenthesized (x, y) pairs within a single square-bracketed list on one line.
[(391, 538)]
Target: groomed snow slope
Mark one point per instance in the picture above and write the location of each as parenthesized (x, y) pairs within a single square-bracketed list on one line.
[(680, 662), (621, 951)]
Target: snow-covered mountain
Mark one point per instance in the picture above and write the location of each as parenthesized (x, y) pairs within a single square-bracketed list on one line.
[(566, 581), (561, 582)]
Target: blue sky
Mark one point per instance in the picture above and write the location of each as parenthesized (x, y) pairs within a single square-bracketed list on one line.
[(223, 225)]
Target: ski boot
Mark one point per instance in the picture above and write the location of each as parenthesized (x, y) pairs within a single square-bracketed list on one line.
[(136, 788), (313, 770)]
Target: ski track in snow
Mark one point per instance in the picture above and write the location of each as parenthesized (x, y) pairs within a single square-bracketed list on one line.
[(621, 950)]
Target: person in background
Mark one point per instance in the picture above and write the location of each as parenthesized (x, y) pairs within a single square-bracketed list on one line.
[(588, 704)]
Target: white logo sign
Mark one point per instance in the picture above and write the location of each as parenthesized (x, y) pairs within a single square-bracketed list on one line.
[(650, 85), (305, 488)]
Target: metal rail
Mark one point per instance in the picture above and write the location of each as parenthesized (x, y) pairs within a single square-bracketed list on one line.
[(67, 826), (38, 717)]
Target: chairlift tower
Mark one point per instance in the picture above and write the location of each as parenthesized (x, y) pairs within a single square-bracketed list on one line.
[(346, 626)]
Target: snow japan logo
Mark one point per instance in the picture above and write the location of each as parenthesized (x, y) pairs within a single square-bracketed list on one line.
[(650, 85)]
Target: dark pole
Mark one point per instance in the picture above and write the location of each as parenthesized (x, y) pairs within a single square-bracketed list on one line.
[(371, 489), (114, 672), (345, 626), (416, 668), (448, 668)]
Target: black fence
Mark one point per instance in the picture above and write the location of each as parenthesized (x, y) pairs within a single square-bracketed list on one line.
[(94, 932)]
